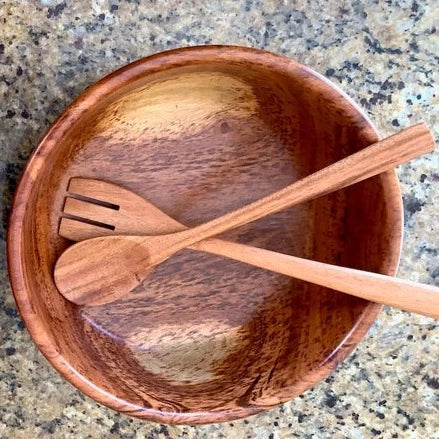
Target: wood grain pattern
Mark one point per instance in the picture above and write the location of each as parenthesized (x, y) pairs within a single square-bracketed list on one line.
[(133, 215), (104, 269), (206, 339)]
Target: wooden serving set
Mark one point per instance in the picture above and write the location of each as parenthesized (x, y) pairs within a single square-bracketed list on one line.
[(125, 236), (207, 232)]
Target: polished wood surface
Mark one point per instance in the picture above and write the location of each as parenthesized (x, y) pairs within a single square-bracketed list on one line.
[(104, 269), (133, 215), (200, 132)]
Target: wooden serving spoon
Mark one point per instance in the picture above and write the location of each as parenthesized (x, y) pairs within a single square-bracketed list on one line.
[(103, 269), (131, 214)]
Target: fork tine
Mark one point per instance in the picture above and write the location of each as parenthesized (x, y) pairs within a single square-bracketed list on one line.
[(97, 189), (90, 211), (76, 230)]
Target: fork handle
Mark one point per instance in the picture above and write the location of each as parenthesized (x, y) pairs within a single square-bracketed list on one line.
[(372, 160), (387, 290)]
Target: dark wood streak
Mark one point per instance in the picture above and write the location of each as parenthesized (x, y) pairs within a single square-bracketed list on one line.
[(204, 339)]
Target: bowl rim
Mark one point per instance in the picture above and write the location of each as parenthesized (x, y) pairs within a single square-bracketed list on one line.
[(36, 163)]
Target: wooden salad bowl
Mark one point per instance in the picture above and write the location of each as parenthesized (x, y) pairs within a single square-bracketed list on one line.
[(199, 132)]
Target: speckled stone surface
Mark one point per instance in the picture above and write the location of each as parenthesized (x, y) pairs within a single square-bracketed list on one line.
[(383, 53)]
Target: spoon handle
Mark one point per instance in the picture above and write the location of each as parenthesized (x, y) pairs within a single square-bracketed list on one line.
[(387, 290), (372, 160)]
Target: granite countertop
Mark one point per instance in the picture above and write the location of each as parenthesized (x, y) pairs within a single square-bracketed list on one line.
[(383, 54)]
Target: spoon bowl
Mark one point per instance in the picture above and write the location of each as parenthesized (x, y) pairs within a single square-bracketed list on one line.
[(132, 262)]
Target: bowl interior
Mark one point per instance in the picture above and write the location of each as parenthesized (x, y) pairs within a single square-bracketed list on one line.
[(205, 338)]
